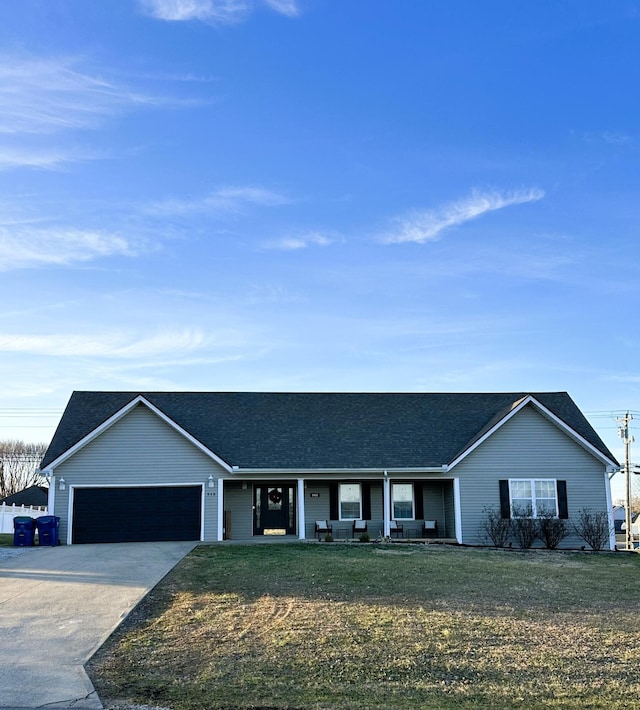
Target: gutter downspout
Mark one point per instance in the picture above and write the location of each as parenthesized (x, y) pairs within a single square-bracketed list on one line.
[(51, 495)]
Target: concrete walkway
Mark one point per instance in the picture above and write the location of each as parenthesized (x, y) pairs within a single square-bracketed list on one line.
[(59, 604)]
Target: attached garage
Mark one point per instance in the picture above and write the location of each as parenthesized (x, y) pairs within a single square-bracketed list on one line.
[(136, 514)]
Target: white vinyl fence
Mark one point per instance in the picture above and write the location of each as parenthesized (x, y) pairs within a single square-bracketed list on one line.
[(9, 512)]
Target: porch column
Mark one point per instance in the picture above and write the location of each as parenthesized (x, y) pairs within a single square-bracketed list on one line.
[(386, 489), (301, 517), (457, 509), (220, 510)]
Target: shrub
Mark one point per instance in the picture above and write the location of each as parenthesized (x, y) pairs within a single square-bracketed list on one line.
[(328, 537), (525, 528), (593, 527), (495, 527), (364, 537), (551, 530)]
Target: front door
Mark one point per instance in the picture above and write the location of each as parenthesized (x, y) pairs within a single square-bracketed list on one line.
[(274, 509)]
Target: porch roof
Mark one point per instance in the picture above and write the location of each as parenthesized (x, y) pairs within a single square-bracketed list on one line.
[(289, 431)]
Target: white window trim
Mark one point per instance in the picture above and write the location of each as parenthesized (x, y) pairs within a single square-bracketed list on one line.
[(340, 500), (413, 500), (534, 507)]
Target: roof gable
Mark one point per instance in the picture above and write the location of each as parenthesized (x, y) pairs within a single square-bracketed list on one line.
[(303, 431), (138, 400), (504, 416)]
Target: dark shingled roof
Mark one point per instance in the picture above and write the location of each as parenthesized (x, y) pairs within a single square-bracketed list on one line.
[(33, 495), (278, 430)]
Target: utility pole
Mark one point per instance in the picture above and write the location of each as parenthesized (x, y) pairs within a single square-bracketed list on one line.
[(623, 433)]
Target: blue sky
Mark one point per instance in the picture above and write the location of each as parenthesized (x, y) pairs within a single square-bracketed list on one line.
[(317, 195)]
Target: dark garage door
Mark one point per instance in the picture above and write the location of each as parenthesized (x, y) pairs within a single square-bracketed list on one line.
[(136, 514)]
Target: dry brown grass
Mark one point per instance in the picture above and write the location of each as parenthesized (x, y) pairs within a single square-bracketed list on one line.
[(361, 626)]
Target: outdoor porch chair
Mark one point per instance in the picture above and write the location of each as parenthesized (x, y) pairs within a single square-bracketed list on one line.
[(359, 527), (395, 528), (430, 528), (323, 528)]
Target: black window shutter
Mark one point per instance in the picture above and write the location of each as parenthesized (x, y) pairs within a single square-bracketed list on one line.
[(333, 502), (366, 501), (419, 501), (505, 508), (563, 506)]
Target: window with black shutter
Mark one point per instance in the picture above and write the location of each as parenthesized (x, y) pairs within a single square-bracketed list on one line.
[(533, 498)]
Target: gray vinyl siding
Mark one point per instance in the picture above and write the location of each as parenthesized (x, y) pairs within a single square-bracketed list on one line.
[(449, 529), (316, 505), (437, 502), (527, 446), (238, 506), (139, 449), (376, 524), (434, 500)]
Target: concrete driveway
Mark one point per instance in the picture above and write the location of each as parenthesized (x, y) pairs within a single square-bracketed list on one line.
[(59, 604)]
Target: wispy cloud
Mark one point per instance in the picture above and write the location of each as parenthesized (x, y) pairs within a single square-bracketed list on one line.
[(27, 247), (253, 195), (284, 7), (428, 225), (225, 199), (213, 11), (107, 346), (39, 96), (46, 159), (43, 98), (301, 241), (615, 138)]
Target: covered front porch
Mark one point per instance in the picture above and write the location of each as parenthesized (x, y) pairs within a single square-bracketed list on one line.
[(396, 508)]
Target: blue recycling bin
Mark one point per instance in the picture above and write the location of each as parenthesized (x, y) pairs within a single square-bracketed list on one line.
[(48, 526), (23, 531)]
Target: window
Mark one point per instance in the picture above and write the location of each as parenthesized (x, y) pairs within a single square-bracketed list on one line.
[(402, 501), (533, 498), (350, 501)]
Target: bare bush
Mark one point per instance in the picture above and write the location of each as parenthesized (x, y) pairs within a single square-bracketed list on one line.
[(496, 528), (593, 527), (551, 530), (525, 528), (19, 462)]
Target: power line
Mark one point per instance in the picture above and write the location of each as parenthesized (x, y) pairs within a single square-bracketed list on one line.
[(30, 412), (613, 413), (30, 409)]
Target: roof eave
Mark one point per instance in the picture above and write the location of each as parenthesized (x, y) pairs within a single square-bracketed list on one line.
[(377, 471)]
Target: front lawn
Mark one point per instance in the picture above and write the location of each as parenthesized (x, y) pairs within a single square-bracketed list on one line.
[(355, 627)]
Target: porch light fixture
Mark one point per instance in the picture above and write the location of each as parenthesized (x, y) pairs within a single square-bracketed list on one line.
[(63, 485), (211, 482)]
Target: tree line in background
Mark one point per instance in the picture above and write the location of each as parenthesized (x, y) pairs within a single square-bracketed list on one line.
[(19, 465)]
